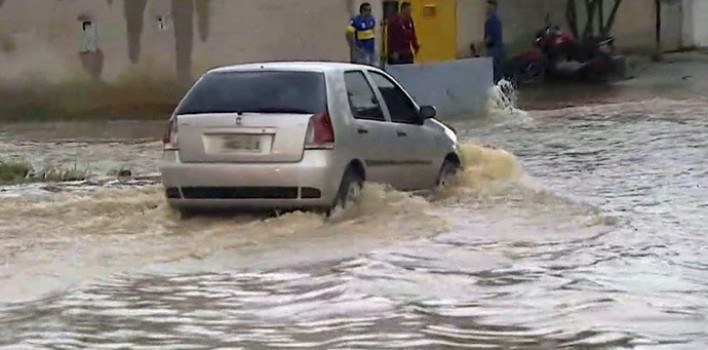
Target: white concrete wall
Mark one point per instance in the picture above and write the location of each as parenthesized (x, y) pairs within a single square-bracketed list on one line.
[(693, 26), (672, 27), (687, 39), (455, 88), (697, 31)]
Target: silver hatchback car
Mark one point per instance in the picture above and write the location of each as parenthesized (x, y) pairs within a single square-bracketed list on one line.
[(300, 135)]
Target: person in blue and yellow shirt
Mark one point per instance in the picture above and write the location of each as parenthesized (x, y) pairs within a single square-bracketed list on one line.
[(361, 36)]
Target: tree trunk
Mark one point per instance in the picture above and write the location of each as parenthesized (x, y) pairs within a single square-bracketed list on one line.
[(590, 7), (595, 10), (571, 17), (601, 17), (607, 28)]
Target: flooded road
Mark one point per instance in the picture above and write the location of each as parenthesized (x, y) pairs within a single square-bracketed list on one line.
[(585, 229)]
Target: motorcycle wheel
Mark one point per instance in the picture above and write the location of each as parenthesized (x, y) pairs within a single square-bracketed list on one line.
[(594, 75), (528, 72)]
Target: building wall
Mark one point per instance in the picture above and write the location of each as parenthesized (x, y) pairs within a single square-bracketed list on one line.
[(671, 26), (695, 25), (44, 37), (470, 22), (687, 36), (634, 26), (183, 36), (522, 19), (700, 23), (519, 16), (635, 23)]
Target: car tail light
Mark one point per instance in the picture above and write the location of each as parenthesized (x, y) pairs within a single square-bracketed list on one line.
[(169, 138), (320, 133)]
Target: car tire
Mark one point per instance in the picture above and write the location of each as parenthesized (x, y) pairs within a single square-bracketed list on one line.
[(448, 172), (349, 190)]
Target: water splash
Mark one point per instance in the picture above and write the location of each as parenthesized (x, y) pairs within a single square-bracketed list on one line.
[(487, 167), (118, 229), (487, 171), (503, 103)]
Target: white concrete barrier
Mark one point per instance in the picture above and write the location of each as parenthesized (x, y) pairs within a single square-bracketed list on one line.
[(458, 87)]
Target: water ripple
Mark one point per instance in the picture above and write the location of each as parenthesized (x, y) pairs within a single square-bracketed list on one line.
[(608, 253)]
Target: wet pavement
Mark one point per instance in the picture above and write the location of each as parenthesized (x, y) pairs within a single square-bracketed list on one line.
[(585, 229)]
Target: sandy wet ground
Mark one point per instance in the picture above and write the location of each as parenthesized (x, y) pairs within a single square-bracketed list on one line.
[(584, 230)]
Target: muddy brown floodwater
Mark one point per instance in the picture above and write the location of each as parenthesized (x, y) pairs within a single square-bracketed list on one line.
[(585, 229)]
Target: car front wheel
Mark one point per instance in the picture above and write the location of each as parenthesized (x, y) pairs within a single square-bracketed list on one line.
[(448, 174)]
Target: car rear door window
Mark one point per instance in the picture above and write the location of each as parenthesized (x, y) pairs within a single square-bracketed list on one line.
[(402, 108), (257, 92), (362, 100)]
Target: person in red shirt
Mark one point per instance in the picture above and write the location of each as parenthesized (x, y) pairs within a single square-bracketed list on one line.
[(402, 40)]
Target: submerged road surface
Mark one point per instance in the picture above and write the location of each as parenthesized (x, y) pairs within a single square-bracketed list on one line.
[(586, 229)]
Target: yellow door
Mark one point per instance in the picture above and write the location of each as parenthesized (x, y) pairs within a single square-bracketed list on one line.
[(436, 27)]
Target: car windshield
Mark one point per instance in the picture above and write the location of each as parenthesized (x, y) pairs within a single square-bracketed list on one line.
[(257, 92)]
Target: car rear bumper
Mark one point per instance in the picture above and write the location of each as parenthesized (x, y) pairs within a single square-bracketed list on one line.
[(311, 183)]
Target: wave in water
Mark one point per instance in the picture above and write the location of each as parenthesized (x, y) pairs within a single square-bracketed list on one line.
[(122, 228), (76, 234), (503, 104)]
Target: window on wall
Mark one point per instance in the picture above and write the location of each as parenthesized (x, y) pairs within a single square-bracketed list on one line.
[(89, 37), (362, 100)]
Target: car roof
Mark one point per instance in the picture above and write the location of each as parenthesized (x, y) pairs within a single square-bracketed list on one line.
[(302, 66)]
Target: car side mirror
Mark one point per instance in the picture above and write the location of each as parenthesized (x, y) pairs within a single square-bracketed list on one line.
[(427, 112)]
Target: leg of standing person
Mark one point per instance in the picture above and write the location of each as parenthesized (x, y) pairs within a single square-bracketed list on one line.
[(360, 57), (496, 55), (402, 59), (393, 59), (353, 56), (407, 58), (372, 59)]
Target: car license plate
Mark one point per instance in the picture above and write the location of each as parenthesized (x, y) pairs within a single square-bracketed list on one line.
[(247, 143)]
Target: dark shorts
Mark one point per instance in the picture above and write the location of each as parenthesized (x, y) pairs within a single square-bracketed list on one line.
[(498, 55), (402, 59)]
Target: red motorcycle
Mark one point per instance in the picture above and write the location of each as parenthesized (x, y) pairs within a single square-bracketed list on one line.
[(559, 54)]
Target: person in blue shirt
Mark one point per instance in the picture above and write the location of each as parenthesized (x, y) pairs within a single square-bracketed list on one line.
[(361, 36), (493, 39)]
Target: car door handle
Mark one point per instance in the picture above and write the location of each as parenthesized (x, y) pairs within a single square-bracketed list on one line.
[(362, 131), (400, 133)]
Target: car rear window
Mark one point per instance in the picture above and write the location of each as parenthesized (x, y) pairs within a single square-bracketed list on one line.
[(257, 91)]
